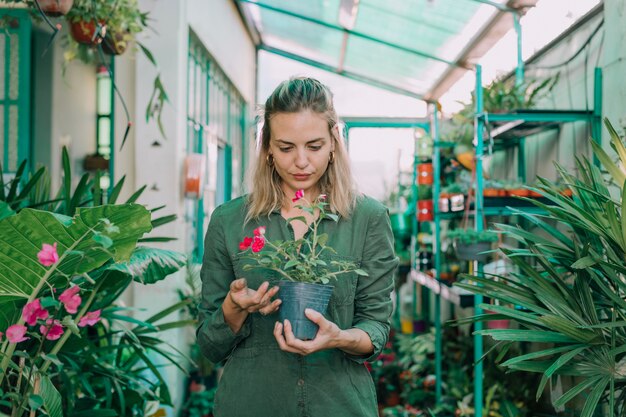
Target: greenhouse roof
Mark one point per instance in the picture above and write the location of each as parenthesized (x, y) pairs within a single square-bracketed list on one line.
[(417, 48)]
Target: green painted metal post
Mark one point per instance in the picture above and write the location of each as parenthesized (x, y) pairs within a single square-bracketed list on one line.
[(521, 160), (436, 247), (478, 299), (596, 122), (112, 130), (519, 70)]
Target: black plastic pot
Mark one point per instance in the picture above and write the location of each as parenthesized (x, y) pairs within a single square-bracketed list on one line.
[(472, 251), (298, 296)]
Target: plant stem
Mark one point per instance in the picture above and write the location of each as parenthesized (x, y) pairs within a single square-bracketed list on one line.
[(612, 386)]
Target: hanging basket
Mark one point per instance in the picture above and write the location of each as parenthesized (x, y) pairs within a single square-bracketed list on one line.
[(472, 251), (56, 8)]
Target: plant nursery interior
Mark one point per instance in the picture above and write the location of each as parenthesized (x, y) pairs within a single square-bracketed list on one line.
[(492, 130)]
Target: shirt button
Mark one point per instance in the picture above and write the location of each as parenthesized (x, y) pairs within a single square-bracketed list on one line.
[(301, 382)]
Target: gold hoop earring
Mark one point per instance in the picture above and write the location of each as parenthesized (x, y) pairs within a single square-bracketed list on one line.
[(331, 157), (269, 159)]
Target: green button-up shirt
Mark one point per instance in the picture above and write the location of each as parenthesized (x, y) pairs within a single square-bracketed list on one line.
[(259, 379)]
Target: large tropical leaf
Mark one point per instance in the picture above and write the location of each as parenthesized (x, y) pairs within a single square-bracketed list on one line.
[(80, 250)]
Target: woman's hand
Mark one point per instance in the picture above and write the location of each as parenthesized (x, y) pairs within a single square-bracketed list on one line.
[(328, 335), (353, 341), (251, 301)]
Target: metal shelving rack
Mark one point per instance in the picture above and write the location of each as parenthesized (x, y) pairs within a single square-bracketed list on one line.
[(496, 132)]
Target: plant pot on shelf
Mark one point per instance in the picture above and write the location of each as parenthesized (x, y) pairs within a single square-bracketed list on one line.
[(491, 192), (425, 173), (298, 296), (497, 324), (518, 192), (95, 162), (457, 202), (84, 32), (425, 210), (472, 251), (56, 8)]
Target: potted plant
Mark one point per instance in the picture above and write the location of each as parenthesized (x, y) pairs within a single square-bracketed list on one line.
[(305, 276), (124, 22), (87, 21), (470, 244)]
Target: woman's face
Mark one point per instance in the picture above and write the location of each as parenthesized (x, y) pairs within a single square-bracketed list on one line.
[(300, 144)]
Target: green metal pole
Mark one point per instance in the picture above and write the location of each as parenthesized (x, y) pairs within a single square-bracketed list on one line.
[(112, 130), (519, 70), (596, 122), (521, 160), (436, 248), (478, 299)]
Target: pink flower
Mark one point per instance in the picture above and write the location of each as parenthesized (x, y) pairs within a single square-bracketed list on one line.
[(48, 254), (1, 334), (53, 328), (90, 318), (33, 311), (299, 195), (322, 197), (70, 299), (245, 244), (259, 231), (257, 243), (15, 333)]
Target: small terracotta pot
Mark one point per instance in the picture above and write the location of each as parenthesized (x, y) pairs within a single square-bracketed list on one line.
[(425, 210), (491, 192), (425, 174), (83, 32), (56, 8), (519, 192)]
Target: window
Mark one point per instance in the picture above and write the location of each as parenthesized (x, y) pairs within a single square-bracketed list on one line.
[(104, 123), (215, 128), (15, 36)]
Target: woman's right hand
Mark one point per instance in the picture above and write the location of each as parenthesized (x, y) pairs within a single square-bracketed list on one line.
[(246, 299)]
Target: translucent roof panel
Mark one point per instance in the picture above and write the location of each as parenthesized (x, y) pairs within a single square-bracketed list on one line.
[(402, 44)]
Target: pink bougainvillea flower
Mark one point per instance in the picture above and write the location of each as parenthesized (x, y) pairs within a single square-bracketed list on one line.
[(259, 231), (33, 311), (48, 254), (257, 243), (70, 299), (15, 333), (245, 244), (52, 329), (90, 318), (299, 195)]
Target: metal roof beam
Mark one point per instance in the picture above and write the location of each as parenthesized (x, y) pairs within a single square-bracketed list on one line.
[(388, 122), (347, 74), (351, 32), (482, 42)]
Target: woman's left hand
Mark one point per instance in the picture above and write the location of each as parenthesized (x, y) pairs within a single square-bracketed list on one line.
[(327, 337)]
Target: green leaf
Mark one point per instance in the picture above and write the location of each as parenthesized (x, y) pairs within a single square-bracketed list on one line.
[(526, 336), (575, 391), (51, 397), (150, 265), (361, 272), (5, 209), (562, 360), (585, 262), (22, 236), (535, 355), (35, 401), (594, 397), (103, 240)]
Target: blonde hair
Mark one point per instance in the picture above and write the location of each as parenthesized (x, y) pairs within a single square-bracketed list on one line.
[(292, 96)]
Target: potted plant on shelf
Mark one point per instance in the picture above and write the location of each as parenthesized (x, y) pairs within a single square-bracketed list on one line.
[(305, 276), (470, 244)]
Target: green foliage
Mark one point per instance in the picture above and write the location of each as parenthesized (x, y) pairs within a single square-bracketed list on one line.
[(569, 291), (472, 236), (286, 257), (200, 403)]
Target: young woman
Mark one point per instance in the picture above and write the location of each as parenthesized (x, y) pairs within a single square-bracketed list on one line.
[(268, 372)]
